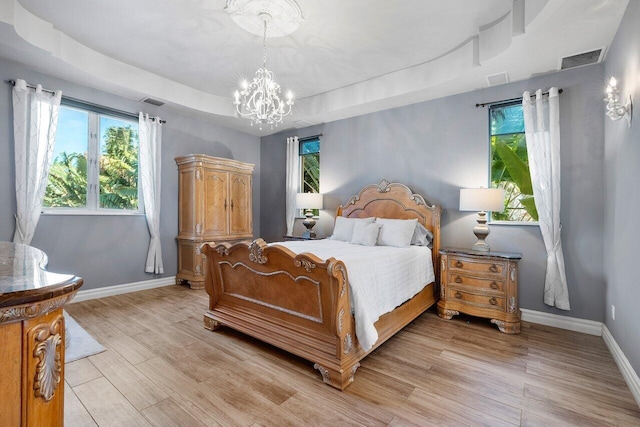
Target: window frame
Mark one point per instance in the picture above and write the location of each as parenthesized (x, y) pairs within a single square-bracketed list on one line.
[(301, 156), (490, 219), (92, 206)]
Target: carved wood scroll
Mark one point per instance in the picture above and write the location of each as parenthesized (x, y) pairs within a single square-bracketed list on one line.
[(48, 339)]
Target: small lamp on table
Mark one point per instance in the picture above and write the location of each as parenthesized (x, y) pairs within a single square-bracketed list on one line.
[(481, 200), (309, 201)]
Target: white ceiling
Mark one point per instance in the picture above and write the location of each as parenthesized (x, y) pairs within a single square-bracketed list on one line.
[(348, 57)]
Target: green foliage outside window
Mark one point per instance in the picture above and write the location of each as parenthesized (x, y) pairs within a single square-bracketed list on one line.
[(119, 169), (510, 164), (310, 167), (67, 181)]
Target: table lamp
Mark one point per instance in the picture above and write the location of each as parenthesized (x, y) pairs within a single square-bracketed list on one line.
[(309, 201), (481, 200)]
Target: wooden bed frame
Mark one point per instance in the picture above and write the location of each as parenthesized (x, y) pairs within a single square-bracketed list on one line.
[(300, 303)]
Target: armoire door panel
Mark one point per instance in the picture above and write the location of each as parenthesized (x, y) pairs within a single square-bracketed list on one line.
[(216, 203), (240, 203)]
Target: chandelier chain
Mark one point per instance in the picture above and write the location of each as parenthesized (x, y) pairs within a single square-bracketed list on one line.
[(264, 46)]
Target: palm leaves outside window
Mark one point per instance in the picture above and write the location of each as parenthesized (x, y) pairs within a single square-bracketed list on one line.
[(310, 167)]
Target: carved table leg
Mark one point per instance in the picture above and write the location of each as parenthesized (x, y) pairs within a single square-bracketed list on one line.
[(338, 379), (210, 323), (507, 327), (446, 313)]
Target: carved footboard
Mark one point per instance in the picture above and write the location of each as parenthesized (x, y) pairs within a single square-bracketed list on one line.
[(299, 303)]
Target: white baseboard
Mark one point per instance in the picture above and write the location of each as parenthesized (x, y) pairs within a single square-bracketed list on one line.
[(108, 291), (590, 327), (629, 374)]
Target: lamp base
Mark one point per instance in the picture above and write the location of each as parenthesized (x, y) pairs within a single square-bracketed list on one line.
[(309, 222), (481, 231)]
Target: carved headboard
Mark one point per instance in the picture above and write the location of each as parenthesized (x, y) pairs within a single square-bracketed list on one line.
[(396, 201)]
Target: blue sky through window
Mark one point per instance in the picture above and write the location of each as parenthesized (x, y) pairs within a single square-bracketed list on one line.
[(72, 133), (506, 120)]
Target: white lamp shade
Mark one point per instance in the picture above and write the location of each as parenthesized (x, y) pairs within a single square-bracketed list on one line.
[(482, 199), (309, 200)]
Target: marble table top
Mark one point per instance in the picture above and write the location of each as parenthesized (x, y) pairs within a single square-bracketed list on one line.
[(24, 278)]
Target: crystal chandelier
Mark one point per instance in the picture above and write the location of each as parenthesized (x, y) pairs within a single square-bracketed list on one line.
[(260, 100)]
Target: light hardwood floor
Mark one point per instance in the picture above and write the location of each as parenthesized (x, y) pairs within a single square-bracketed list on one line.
[(163, 368)]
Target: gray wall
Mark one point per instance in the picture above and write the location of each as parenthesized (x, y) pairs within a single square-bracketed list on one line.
[(440, 146), (622, 197), (112, 250)]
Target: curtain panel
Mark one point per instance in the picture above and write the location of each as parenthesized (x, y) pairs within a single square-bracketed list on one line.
[(293, 181), (35, 120), (542, 132), (150, 137)]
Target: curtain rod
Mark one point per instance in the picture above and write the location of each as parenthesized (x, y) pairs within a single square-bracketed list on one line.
[(126, 113), (504, 101), (306, 138)]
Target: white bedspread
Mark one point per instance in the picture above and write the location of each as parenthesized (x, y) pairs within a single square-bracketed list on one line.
[(380, 277)]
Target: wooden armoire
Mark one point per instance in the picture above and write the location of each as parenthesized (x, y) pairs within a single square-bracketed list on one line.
[(214, 204)]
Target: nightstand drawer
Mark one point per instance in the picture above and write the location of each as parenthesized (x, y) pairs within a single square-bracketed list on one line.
[(475, 265), (485, 301), (457, 278)]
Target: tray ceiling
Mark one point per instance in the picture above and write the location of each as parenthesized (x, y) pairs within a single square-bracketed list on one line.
[(347, 57)]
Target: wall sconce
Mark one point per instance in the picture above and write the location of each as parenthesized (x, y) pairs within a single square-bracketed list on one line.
[(615, 110)]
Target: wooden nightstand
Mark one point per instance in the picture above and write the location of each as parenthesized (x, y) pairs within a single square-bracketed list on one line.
[(286, 237), (483, 284)]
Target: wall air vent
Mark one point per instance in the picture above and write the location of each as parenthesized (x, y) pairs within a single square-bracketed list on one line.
[(152, 101), (580, 59), (498, 79)]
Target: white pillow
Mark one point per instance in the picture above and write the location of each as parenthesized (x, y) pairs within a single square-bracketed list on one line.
[(396, 232), (421, 236), (343, 229), (366, 234)]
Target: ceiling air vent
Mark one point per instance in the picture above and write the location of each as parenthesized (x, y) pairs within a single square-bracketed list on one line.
[(152, 101), (498, 79), (580, 59)]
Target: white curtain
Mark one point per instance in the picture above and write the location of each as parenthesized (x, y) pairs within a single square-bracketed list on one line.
[(35, 119), (542, 128), (150, 137), (293, 181)]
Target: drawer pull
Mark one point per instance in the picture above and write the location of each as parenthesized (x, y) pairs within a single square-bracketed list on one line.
[(458, 295), (458, 264), (493, 285), (493, 301), (458, 279), (493, 268)]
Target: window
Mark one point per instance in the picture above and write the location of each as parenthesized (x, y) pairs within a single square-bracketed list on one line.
[(95, 166), (310, 167), (509, 163)]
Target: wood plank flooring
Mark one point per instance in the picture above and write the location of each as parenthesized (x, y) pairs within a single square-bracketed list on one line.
[(162, 368)]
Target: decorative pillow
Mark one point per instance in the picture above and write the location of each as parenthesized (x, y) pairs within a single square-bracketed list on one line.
[(343, 229), (421, 236), (366, 234), (396, 232)]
